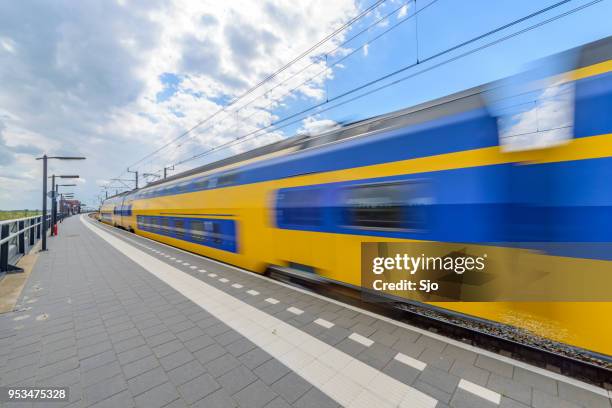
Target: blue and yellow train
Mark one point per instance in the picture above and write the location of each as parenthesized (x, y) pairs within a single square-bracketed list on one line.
[(448, 171)]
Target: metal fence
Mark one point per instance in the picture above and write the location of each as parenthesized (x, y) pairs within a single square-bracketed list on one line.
[(17, 237)]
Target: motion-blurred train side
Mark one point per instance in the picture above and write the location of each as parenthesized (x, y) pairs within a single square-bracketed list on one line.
[(447, 171)]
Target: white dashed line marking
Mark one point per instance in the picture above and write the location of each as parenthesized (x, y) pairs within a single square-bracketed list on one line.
[(253, 292), (212, 275), (295, 310), (480, 391), (202, 270), (237, 286), (223, 280), (412, 362), (272, 300), (193, 267), (324, 323), (361, 339)]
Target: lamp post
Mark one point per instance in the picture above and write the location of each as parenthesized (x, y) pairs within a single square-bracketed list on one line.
[(44, 192), (61, 209), (54, 188)]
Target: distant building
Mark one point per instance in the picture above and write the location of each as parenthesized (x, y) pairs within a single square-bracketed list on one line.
[(70, 207)]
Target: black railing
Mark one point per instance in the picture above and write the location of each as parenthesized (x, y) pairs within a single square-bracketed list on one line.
[(17, 237)]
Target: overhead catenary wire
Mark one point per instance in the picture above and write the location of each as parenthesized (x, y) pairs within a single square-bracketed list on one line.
[(268, 78), (332, 51), (295, 74), (418, 61), (342, 59), (276, 125), (339, 61)]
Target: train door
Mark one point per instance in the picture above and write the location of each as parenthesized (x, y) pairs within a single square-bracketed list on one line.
[(300, 220)]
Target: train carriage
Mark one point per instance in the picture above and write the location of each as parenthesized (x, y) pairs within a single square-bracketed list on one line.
[(439, 171)]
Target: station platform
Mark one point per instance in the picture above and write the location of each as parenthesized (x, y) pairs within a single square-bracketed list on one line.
[(125, 321)]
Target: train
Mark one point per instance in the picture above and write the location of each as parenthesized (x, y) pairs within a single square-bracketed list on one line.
[(455, 169)]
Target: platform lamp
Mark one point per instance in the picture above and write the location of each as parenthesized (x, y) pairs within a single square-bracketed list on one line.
[(57, 186), (44, 193), (54, 197)]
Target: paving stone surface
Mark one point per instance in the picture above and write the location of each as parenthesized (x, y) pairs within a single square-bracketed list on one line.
[(93, 320)]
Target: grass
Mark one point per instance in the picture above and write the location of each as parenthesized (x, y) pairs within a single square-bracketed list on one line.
[(11, 215)]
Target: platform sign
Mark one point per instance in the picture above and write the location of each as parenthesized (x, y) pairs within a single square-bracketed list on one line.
[(51, 194)]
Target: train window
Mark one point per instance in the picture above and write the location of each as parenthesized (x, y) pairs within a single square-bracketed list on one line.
[(391, 205), (227, 179), (156, 227), (179, 228), (165, 226), (197, 231), (301, 207), (213, 231), (183, 187), (535, 109), (201, 184)]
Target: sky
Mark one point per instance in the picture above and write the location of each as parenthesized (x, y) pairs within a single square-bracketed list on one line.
[(115, 81)]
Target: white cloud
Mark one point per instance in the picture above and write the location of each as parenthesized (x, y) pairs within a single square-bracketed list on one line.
[(403, 11), (113, 82), (544, 121), (313, 126), (366, 50)]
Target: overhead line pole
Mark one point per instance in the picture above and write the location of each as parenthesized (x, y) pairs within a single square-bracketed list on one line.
[(135, 176), (44, 196), (166, 168)]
